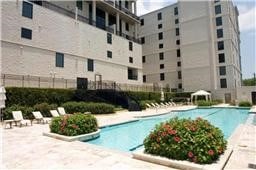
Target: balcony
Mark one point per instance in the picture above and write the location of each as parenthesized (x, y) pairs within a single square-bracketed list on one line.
[(125, 10), (71, 14)]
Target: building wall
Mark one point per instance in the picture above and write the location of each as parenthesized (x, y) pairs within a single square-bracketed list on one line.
[(53, 32), (244, 93), (198, 47)]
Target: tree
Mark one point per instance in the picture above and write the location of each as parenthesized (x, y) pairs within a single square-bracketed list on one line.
[(249, 82)]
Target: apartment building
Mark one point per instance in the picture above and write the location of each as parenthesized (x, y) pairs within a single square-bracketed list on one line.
[(193, 45), (90, 40)]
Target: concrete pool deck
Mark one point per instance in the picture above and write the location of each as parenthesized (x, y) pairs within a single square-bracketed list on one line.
[(27, 148)]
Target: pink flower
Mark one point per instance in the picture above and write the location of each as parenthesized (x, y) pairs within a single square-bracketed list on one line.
[(172, 132), (190, 154), (211, 152), (176, 138)]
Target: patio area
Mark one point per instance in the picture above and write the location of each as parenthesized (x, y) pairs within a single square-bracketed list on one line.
[(27, 148)]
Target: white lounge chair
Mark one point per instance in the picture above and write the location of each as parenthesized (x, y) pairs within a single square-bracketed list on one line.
[(163, 105), (17, 116), (39, 117), (54, 113), (149, 106), (61, 110)]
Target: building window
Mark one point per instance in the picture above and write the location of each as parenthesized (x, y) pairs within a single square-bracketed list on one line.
[(161, 76), (218, 21), (142, 22), (216, 1), (126, 5), (90, 65), (127, 26), (143, 59), (217, 9), (161, 45), (142, 40), (59, 61), (160, 36), (178, 52), (79, 5), (109, 38), (219, 33), (109, 54), (176, 12), (27, 10), (26, 33), (180, 86), (161, 56), (179, 75), (223, 83), (176, 21), (222, 70), (160, 26), (159, 16), (177, 31), (144, 78), (178, 63), (161, 66), (177, 42), (130, 46), (221, 45), (130, 60), (221, 58)]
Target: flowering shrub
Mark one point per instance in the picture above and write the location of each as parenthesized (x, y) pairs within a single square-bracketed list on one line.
[(185, 139), (72, 125)]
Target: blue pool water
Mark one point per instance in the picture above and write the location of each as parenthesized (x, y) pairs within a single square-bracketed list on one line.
[(130, 136)]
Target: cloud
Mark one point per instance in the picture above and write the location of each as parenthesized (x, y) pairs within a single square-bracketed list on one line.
[(247, 18), (146, 6)]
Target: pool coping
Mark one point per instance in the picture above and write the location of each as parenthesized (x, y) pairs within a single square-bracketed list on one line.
[(182, 164), (84, 137)]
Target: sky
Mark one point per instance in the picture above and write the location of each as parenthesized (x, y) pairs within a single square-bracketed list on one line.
[(247, 24)]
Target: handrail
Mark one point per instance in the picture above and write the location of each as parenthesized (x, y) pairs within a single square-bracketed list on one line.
[(69, 13)]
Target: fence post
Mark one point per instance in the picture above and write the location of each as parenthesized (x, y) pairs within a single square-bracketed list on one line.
[(4, 80), (66, 83), (39, 81), (53, 82), (22, 81)]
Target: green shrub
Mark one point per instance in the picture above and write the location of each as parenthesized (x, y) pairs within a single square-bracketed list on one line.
[(32, 96), (94, 108), (204, 103), (245, 104), (26, 111), (45, 108), (143, 103), (156, 96), (185, 139), (72, 125)]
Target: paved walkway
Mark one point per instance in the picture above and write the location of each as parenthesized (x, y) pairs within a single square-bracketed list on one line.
[(27, 148), (244, 151)]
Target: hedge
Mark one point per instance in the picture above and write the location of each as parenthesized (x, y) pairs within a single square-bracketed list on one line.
[(245, 104), (32, 96), (45, 108), (72, 125), (26, 111), (185, 139), (94, 108)]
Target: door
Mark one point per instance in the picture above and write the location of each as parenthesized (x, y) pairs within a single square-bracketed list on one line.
[(254, 97), (227, 97), (82, 83)]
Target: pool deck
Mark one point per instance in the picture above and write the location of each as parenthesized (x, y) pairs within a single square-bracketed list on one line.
[(27, 148)]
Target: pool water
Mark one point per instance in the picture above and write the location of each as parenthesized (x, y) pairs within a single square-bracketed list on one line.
[(130, 136)]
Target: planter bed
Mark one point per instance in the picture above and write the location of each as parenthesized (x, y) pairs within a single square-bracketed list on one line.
[(84, 137)]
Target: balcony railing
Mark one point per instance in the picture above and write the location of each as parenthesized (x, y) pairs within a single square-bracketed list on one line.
[(125, 10), (84, 19)]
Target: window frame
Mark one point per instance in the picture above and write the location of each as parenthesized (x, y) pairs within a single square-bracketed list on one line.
[(27, 10), (130, 59), (220, 45), (161, 56), (90, 65), (109, 54), (160, 35), (160, 26), (219, 32), (217, 9), (159, 16), (161, 45), (221, 57), (130, 46), (225, 85), (218, 21), (177, 31), (222, 71), (162, 76), (109, 38), (59, 60), (142, 22), (26, 33), (161, 66)]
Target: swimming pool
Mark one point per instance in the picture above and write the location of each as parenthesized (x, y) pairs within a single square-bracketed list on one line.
[(130, 136)]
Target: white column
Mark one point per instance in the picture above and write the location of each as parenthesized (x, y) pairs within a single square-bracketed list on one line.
[(94, 10), (117, 22), (106, 19), (135, 7), (136, 30)]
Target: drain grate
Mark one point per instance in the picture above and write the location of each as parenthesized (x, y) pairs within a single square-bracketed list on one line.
[(252, 166)]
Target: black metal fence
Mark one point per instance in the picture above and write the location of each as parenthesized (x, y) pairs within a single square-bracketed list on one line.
[(11, 80)]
